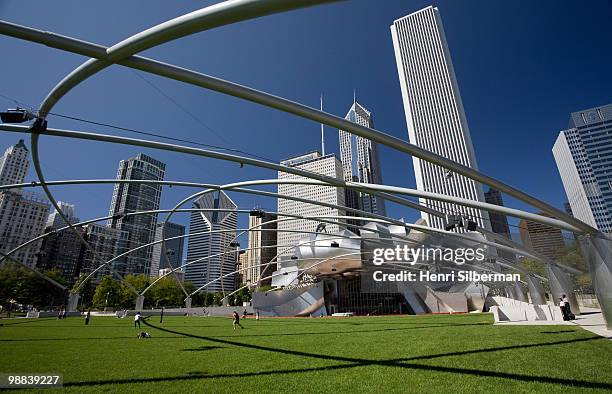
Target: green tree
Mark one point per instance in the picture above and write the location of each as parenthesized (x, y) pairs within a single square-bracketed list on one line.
[(166, 292), (9, 273), (572, 256), (86, 292), (108, 289), (127, 297), (32, 289), (217, 299)]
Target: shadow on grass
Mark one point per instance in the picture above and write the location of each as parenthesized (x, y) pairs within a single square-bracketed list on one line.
[(27, 320), (351, 362), (203, 348), (81, 339), (557, 332), (429, 326), (424, 326)]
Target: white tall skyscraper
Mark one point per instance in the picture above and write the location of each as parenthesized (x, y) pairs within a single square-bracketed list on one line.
[(327, 165), (56, 221), (434, 112), (213, 244), (360, 162), (584, 163), (14, 165)]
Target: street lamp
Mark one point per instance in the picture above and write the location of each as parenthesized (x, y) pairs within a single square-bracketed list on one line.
[(106, 302)]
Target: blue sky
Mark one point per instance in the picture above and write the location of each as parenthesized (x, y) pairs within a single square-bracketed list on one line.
[(522, 67)]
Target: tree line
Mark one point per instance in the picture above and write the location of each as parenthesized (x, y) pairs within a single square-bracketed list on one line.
[(20, 286)]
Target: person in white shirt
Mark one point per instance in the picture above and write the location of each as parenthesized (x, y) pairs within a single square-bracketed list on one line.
[(137, 319), (568, 308)]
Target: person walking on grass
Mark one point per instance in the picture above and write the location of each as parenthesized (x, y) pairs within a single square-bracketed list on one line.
[(87, 317), (236, 321), (137, 318)]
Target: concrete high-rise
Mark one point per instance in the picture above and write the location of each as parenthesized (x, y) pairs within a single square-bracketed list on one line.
[(261, 249), (174, 248), (360, 162), (211, 234), (14, 165), (327, 165), (22, 218), (133, 197), (56, 221), (22, 215), (583, 157), (434, 112)]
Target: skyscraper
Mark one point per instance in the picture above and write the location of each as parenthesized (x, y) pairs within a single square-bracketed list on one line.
[(174, 247), (434, 112), (107, 242), (133, 197), (360, 162), (212, 246), (542, 238), (56, 221), (61, 250), (22, 215), (499, 222), (582, 153), (261, 249), (327, 165), (14, 165)]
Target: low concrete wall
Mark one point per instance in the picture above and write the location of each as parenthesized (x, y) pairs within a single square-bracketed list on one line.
[(199, 311), (507, 310)]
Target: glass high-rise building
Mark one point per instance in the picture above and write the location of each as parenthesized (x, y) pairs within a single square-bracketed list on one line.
[(583, 154), (434, 112), (174, 247), (61, 250), (134, 197), (210, 240), (360, 162), (499, 222)]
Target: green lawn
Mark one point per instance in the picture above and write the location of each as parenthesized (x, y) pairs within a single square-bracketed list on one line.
[(458, 353)]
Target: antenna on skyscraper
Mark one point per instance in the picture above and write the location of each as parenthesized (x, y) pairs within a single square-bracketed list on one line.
[(322, 131), (354, 96)]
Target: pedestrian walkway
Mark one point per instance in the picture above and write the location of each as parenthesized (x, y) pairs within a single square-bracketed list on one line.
[(591, 320)]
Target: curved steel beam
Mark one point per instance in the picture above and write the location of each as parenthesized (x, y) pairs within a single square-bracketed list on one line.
[(192, 210), (217, 15), (313, 179), (388, 197), (37, 272), (96, 256), (297, 109)]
